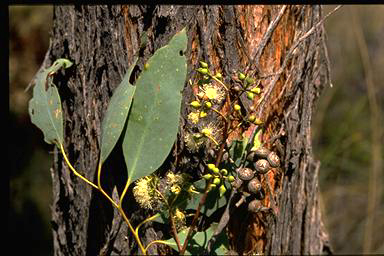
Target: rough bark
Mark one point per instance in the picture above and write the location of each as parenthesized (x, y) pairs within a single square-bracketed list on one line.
[(102, 41)]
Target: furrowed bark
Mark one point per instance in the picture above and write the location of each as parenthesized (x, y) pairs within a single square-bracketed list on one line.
[(102, 41)]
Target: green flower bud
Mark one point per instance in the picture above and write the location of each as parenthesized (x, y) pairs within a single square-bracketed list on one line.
[(258, 121), (241, 76), (256, 90), (211, 166), (208, 104), (146, 66), (207, 176), (203, 114), (195, 104), (203, 71), (250, 95), (249, 80), (216, 181), (231, 178), (216, 170), (222, 190), (251, 118), (218, 75), (212, 186), (203, 64), (237, 107), (224, 171)]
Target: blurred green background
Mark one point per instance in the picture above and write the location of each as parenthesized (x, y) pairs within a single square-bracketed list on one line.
[(342, 132)]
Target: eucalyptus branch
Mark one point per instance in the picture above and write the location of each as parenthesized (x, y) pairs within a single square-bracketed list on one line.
[(207, 188), (174, 231)]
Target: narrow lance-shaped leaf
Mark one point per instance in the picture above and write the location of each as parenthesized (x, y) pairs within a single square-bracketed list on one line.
[(45, 106), (116, 115), (154, 118)]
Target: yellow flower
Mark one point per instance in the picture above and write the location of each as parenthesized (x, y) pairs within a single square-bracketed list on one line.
[(210, 132), (194, 117), (144, 192), (175, 189), (192, 189), (179, 219), (212, 92), (193, 142), (179, 214)]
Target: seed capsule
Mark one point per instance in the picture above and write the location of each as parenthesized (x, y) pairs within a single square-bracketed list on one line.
[(273, 159), (262, 166), (254, 186), (254, 206), (245, 174), (262, 152)]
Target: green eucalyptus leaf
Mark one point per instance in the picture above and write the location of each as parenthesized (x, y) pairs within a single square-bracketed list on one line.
[(45, 106), (154, 118), (237, 150), (199, 241), (257, 141), (116, 115)]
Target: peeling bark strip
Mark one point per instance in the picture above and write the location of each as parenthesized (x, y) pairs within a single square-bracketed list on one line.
[(102, 41)]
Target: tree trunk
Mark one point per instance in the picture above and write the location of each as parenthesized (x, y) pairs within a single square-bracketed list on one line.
[(102, 42)]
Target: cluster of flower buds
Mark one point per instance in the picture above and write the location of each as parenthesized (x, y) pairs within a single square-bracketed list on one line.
[(247, 85), (218, 176)]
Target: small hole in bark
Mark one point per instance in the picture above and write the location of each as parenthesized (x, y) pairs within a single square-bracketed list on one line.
[(181, 53)]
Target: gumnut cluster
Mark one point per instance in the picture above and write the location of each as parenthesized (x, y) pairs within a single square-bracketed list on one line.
[(249, 179)]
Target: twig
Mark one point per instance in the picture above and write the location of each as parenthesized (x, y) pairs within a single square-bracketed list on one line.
[(207, 188), (174, 231), (328, 62), (288, 57), (267, 35)]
